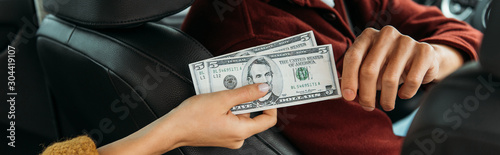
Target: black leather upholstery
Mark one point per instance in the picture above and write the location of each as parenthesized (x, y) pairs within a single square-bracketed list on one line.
[(458, 116), (13, 17), (490, 54), (461, 115), (111, 82), (34, 121), (113, 13), (89, 72)]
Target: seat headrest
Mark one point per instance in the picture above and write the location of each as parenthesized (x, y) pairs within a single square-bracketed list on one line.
[(113, 13), (489, 55)]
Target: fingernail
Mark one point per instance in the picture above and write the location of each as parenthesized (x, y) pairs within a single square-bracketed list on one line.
[(264, 88), (349, 93), (368, 108)]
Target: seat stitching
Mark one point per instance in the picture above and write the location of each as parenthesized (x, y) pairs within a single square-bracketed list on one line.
[(268, 144), (104, 67), (129, 86), (133, 49), (126, 21), (189, 37)]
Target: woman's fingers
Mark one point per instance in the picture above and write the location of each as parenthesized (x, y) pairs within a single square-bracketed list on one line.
[(230, 98), (259, 123), (208, 121)]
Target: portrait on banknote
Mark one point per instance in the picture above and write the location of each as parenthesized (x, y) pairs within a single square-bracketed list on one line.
[(244, 53), (261, 69)]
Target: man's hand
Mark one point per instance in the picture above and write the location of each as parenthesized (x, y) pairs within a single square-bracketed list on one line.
[(382, 60)]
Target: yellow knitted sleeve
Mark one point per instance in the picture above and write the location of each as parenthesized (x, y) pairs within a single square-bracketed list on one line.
[(81, 145)]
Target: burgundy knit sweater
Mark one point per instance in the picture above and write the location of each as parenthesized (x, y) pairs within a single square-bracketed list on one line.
[(334, 126)]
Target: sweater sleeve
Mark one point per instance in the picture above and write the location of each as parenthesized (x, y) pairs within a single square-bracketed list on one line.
[(423, 23), (82, 145), (428, 24)]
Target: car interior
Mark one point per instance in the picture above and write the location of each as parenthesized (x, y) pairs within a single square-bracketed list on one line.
[(82, 71)]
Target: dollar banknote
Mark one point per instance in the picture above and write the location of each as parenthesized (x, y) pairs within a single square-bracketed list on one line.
[(295, 77), (299, 41), (199, 76), (303, 40)]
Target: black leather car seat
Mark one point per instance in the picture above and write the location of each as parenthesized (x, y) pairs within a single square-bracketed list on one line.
[(111, 70), (460, 115), (31, 114)]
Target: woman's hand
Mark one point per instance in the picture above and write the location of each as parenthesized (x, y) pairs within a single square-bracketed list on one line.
[(382, 60), (202, 120), (207, 121)]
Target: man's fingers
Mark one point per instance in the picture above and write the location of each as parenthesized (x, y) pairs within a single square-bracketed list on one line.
[(391, 77), (241, 95), (372, 65), (419, 68), (352, 62), (432, 73)]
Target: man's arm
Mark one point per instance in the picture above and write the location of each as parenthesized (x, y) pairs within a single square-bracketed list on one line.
[(421, 46), (381, 60), (450, 60), (428, 24)]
